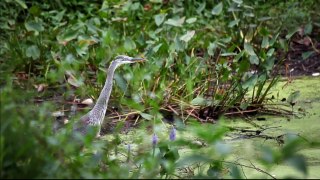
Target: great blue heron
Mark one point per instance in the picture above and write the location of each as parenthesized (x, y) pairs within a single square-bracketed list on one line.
[(94, 118)]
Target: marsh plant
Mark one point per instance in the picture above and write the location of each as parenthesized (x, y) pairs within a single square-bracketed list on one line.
[(205, 58)]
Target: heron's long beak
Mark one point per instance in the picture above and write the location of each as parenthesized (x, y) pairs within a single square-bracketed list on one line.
[(138, 59)]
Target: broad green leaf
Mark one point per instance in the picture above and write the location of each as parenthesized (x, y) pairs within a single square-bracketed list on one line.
[(265, 42), (251, 82), (217, 9), (187, 36), (233, 23), (235, 172), (229, 54), (68, 35), (249, 49), (156, 48), (306, 55), (238, 56), (307, 29), (270, 52), (238, 1), (146, 116), (201, 7), (34, 26), (198, 101), (293, 97), (291, 33), (298, 162), (129, 44), (254, 59), (159, 18), (33, 51), (120, 82), (175, 21), (273, 39), (191, 20), (211, 48), (268, 64), (22, 3)]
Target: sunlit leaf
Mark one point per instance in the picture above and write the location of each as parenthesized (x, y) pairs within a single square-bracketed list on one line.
[(233, 23), (22, 3), (129, 44), (201, 7), (270, 52), (265, 42), (217, 9), (187, 36), (67, 35), (175, 22), (33, 51), (34, 26), (198, 101), (299, 162), (120, 82), (146, 116), (191, 20), (156, 48), (254, 59), (293, 97), (159, 18), (249, 49), (308, 29), (211, 48), (251, 82)]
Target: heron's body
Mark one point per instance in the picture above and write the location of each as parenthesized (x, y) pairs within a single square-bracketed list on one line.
[(94, 118)]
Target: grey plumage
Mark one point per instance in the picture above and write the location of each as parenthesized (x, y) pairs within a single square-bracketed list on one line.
[(94, 118)]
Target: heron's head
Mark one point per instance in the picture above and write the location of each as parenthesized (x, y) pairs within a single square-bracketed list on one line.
[(122, 59)]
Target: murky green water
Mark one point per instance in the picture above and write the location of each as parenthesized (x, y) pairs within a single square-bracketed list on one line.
[(308, 126)]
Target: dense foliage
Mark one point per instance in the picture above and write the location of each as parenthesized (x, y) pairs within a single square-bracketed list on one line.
[(200, 53)]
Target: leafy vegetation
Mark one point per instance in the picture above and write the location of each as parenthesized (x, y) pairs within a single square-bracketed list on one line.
[(205, 59)]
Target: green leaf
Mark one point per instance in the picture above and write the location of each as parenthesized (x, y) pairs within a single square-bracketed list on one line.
[(307, 29), (293, 97), (187, 36), (159, 18), (211, 48), (33, 51), (120, 82), (254, 59), (298, 162), (238, 56), (270, 52), (68, 35), (34, 26), (251, 82), (156, 48), (146, 116), (306, 55), (129, 44), (175, 21), (229, 54), (249, 49), (191, 20), (291, 33), (233, 23), (217, 9), (265, 42), (198, 101), (22, 4)]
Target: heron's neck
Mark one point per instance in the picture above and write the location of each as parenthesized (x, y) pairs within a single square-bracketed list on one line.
[(99, 110)]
